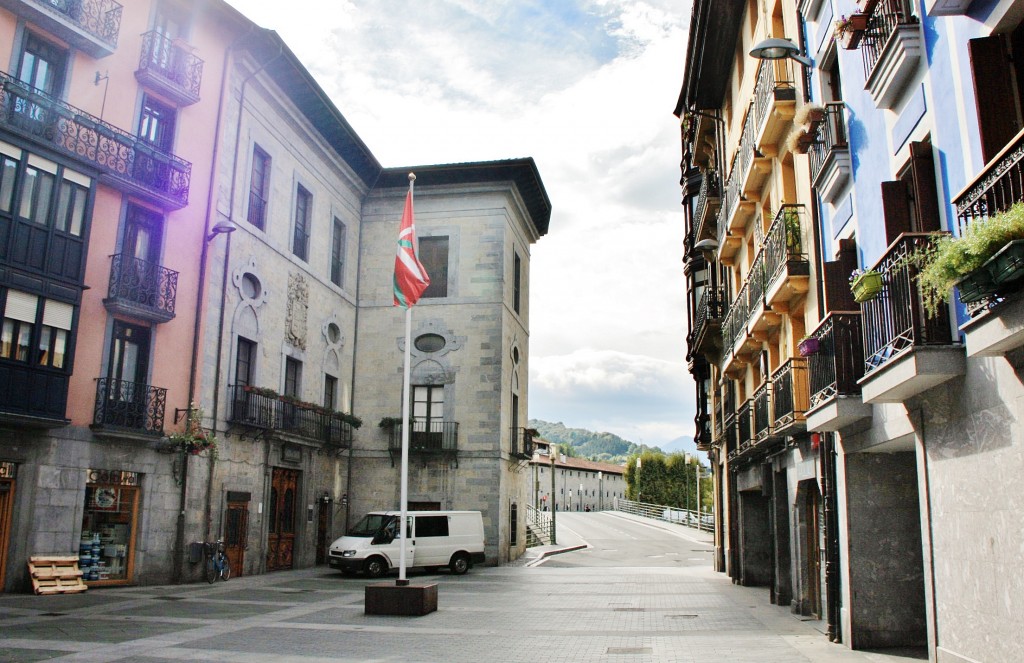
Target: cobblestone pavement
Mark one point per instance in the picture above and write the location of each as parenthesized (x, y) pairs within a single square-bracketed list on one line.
[(513, 613)]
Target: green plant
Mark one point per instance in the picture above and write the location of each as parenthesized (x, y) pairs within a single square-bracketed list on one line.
[(948, 259), (389, 423), (791, 218), (195, 439)]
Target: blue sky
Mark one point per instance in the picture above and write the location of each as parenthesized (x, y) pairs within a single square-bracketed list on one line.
[(586, 89)]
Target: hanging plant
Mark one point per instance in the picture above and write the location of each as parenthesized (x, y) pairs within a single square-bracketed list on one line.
[(195, 439)]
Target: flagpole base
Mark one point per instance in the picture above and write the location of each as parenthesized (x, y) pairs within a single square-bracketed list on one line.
[(400, 600)]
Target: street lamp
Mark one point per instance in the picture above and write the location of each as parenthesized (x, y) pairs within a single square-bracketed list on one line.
[(600, 491), (775, 48)]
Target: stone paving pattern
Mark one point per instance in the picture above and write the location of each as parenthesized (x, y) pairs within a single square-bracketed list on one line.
[(508, 613)]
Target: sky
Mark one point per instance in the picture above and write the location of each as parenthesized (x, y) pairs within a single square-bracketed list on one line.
[(586, 88)]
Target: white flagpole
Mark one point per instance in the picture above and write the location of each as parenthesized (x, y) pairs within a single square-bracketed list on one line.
[(406, 379)]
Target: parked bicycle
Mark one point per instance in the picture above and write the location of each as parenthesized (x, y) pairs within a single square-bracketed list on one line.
[(216, 562)]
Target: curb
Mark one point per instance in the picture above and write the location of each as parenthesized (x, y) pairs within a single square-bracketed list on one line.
[(548, 553)]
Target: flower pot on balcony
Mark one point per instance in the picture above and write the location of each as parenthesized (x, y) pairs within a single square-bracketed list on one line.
[(1006, 267), (976, 286), (866, 286), (867, 7), (809, 346), (850, 30)]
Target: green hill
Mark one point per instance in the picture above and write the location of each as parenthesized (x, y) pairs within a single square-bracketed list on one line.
[(605, 447)]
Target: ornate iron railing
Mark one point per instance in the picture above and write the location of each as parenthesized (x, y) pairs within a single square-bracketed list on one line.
[(839, 362), (719, 419), (790, 393), (257, 214), (428, 437), (895, 320), (748, 144), (996, 188), (783, 245), (888, 15), (730, 197), (831, 135), (772, 76), (258, 409), (709, 309), (756, 282), (522, 442), (100, 18), (734, 326), (71, 131), (744, 439), (761, 408), (143, 283), (710, 189), (130, 406), (172, 62)]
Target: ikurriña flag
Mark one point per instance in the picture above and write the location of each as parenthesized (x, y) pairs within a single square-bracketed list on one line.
[(410, 277)]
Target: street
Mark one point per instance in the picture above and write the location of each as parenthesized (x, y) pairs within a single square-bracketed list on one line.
[(633, 592)]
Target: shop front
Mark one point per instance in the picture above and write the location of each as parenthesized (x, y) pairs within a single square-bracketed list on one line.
[(7, 474), (106, 551)]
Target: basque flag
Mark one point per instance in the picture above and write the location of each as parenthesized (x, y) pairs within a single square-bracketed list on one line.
[(410, 277)]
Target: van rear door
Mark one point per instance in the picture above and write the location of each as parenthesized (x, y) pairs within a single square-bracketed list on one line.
[(433, 545)]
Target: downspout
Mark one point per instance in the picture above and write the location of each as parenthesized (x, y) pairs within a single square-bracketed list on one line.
[(224, 279), (832, 595), (933, 646), (179, 534)]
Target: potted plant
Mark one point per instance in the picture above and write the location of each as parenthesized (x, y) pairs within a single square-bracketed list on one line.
[(194, 439), (799, 140), (987, 258), (809, 115), (849, 30), (808, 346), (865, 285)]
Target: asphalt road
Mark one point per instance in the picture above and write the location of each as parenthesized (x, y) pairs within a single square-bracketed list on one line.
[(612, 540)]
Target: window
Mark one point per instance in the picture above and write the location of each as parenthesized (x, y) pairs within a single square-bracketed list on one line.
[(259, 183), (292, 377), (245, 362), (36, 192), (338, 253), (513, 524), (433, 254), (431, 526), (300, 240), (516, 282), (330, 392), (156, 124), (42, 66), (8, 173), (53, 335), (427, 404), (70, 216), (18, 324)]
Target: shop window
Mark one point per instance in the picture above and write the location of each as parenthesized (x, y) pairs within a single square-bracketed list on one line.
[(107, 548)]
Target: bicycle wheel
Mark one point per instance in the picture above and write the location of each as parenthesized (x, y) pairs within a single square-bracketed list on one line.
[(225, 568), (211, 570)]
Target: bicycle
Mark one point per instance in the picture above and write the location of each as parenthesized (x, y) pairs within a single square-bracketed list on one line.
[(217, 565)]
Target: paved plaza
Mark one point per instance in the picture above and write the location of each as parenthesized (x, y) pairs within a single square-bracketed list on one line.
[(534, 612)]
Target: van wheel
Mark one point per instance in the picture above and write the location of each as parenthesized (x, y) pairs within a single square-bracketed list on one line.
[(375, 567), (459, 564)]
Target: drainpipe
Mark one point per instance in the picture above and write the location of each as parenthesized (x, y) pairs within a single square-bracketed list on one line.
[(828, 479), (934, 644), (179, 535)]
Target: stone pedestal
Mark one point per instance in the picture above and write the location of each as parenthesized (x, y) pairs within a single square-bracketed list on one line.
[(408, 600)]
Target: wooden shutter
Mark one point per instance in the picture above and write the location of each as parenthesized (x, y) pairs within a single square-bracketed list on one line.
[(993, 93), (837, 278), (926, 194), (896, 209)]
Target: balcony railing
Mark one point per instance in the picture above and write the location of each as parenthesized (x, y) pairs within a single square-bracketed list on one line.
[(142, 287), (257, 210), (170, 68), (831, 136), (783, 246), (996, 188), (744, 439), (888, 15), (708, 313), (839, 362), (775, 81), (734, 327), (259, 409), (123, 159), (790, 394), (719, 420), (129, 406), (761, 407), (748, 144), (895, 320), (91, 25), (427, 437), (710, 193), (522, 442)]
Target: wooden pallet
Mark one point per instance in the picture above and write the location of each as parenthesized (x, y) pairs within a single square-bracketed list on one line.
[(56, 574)]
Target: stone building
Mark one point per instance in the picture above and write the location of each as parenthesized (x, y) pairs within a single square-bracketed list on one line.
[(911, 417), (579, 484)]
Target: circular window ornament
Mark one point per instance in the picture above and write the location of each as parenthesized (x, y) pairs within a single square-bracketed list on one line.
[(251, 286), (515, 355), (333, 333), (429, 343)]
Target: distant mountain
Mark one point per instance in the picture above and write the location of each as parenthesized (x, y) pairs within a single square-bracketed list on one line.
[(684, 445), (605, 447)]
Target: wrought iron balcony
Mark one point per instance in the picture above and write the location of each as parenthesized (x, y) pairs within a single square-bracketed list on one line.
[(140, 288), (744, 437), (523, 445), (428, 438), (761, 409), (895, 321), (257, 408), (706, 210), (774, 99), (997, 187), (790, 396), (838, 364), (89, 25), (707, 320), (830, 153), (734, 326), (168, 67), (890, 50), (124, 160), (786, 268), (130, 407)]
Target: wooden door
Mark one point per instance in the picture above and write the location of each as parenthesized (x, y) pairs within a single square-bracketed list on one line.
[(281, 533), (6, 507), (813, 548), (236, 534), (323, 531)]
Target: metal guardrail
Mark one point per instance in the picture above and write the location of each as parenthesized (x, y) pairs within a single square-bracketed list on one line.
[(669, 514), (540, 528)]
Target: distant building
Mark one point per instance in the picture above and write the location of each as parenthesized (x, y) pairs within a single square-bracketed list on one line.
[(579, 484)]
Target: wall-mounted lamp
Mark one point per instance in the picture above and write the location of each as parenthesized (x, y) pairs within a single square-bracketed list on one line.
[(706, 246), (222, 228), (776, 48)]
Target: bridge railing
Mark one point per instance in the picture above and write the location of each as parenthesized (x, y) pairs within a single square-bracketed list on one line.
[(670, 514), (540, 529)]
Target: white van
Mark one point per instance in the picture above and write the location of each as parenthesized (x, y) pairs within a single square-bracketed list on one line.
[(435, 538)]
